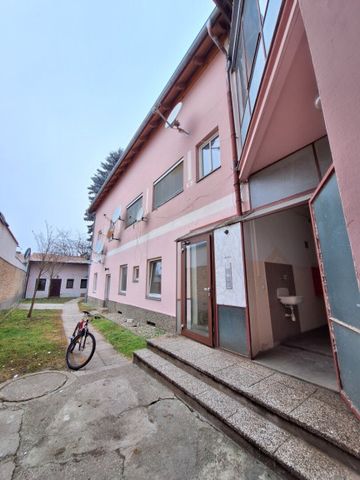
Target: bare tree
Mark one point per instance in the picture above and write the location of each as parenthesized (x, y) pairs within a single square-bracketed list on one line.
[(49, 257), (73, 245)]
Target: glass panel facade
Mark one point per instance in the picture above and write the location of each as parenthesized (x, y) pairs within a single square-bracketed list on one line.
[(270, 22), (170, 185), (132, 212), (254, 36), (295, 174)]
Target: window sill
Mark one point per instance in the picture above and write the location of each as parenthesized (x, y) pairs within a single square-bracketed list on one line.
[(122, 293), (206, 176), (150, 297)]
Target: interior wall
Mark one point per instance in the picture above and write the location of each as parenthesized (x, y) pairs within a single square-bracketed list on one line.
[(284, 237)]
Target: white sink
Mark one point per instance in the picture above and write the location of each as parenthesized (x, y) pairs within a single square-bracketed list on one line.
[(291, 300)]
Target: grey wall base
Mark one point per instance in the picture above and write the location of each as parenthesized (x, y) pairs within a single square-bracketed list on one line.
[(166, 322)]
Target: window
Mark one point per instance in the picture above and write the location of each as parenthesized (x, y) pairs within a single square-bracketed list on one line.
[(95, 282), (70, 283), (41, 284), (133, 211), (136, 274), (154, 285), (169, 185), (123, 279), (209, 156), (83, 283)]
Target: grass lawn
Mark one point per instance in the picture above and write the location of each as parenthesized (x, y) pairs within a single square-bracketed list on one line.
[(85, 306), (49, 300), (121, 339), (28, 345)]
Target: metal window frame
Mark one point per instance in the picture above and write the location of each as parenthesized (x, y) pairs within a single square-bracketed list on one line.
[(130, 205), (164, 175)]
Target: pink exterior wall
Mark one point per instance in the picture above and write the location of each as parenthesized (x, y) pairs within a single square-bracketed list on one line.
[(333, 34), (204, 110), (77, 272)]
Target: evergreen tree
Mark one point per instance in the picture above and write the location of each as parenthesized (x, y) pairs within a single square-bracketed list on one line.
[(97, 181)]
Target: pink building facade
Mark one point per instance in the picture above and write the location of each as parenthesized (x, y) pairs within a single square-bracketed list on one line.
[(180, 181)]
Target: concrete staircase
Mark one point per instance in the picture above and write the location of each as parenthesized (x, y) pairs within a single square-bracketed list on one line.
[(299, 429)]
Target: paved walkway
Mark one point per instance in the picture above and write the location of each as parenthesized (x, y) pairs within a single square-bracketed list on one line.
[(111, 421), (105, 354)]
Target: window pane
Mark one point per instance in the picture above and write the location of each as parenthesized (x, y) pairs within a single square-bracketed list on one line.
[(123, 278), (251, 26), (136, 271), (69, 283), (169, 186), (257, 75), (241, 65), (83, 283), (262, 7), (215, 153), (270, 22), (155, 278), (132, 212), (206, 160), (245, 122), (295, 174), (323, 153), (41, 284)]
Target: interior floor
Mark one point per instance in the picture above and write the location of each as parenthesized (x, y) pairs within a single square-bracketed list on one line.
[(307, 356)]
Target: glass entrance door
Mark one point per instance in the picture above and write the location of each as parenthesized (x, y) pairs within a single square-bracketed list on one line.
[(340, 285), (197, 292)]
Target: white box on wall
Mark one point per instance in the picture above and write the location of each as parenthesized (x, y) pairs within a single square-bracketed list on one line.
[(229, 266)]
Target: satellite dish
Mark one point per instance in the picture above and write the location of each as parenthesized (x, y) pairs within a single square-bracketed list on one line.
[(116, 215), (99, 247), (140, 214), (171, 120), (27, 253)]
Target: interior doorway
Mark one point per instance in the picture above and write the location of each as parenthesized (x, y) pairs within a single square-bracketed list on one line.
[(286, 303)]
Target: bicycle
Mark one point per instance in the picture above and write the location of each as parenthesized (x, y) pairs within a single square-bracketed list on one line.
[(82, 345)]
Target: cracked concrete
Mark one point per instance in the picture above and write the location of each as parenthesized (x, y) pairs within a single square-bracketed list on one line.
[(114, 421)]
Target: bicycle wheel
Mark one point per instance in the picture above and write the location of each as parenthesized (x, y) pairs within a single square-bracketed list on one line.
[(80, 351)]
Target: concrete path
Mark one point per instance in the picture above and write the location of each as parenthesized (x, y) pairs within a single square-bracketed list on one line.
[(42, 306), (113, 421)]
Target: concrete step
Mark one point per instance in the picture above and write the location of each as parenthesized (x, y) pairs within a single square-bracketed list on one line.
[(283, 450), (315, 410)]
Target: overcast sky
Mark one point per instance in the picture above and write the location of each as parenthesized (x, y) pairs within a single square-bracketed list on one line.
[(77, 79)]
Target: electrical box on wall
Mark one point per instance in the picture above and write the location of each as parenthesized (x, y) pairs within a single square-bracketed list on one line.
[(229, 266)]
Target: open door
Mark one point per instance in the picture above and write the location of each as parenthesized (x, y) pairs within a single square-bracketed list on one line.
[(341, 288), (197, 291)]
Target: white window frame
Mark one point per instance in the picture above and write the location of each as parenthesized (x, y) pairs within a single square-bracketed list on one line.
[(121, 272), (95, 278), (200, 156), (153, 296), (129, 205), (135, 278)]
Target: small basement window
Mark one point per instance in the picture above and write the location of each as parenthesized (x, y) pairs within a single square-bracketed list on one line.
[(209, 156), (136, 274), (70, 283)]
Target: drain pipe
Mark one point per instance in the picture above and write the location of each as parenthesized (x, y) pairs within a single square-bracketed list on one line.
[(236, 179)]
